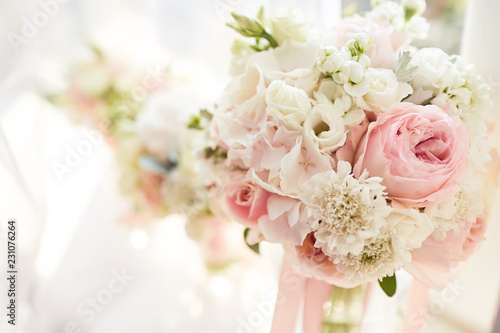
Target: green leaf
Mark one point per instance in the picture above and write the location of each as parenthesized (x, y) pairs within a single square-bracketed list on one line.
[(253, 247), (388, 285), (261, 16)]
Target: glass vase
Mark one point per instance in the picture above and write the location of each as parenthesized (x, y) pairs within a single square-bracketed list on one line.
[(343, 311)]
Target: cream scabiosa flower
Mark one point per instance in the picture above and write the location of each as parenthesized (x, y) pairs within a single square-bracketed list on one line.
[(379, 258), (404, 230), (346, 212)]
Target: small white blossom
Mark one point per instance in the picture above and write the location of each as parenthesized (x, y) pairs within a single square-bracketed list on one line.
[(330, 60), (454, 84), (416, 7), (403, 17), (348, 66), (352, 114)]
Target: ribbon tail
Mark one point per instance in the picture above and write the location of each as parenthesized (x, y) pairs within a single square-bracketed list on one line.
[(290, 294), (316, 294), (416, 311), (368, 297)]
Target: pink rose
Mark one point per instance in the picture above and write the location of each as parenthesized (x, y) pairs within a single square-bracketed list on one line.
[(437, 263), (473, 237), (387, 42), (244, 201), (354, 136), (311, 262), (420, 152)]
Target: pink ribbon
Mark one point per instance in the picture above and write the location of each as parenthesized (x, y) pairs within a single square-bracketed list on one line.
[(293, 288), (290, 293), (416, 310), (317, 292)]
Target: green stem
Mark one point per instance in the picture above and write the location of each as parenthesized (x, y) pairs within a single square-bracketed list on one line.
[(270, 39)]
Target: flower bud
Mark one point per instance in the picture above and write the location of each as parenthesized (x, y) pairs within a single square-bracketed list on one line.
[(362, 43), (413, 8)]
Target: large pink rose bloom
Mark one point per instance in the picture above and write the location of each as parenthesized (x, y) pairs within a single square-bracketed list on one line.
[(437, 263), (420, 152), (311, 262), (244, 201), (387, 42)]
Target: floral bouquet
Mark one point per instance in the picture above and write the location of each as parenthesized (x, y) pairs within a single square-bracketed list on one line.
[(360, 154)]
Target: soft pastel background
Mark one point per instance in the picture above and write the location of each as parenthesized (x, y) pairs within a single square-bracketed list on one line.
[(71, 243)]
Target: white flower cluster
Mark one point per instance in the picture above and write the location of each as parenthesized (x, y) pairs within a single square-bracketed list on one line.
[(348, 66), (405, 16), (462, 208)]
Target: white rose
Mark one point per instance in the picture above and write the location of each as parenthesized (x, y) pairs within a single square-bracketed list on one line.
[(385, 90), (288, 23), (158, 125), (433, 64), (410, 226), (244, 86), (287, 102), (326, 126)]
